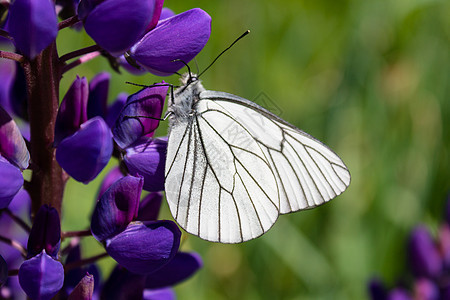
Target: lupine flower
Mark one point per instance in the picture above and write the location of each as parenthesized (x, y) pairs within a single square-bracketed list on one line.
[(77, 137), (428, 262)]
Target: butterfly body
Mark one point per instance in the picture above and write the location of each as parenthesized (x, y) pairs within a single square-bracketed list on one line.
[(233, 167)]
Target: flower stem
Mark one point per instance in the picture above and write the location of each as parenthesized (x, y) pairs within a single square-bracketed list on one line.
[(68, 22), (14, 244), (85, 261), (81, 60), (43, 75), (18, 220), (79, 52), (80, 233), (12, 56)]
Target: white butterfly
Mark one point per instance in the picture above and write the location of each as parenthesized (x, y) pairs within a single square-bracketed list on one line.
[(233, 167)]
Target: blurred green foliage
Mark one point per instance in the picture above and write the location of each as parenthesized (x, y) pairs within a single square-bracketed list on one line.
[(368, 78)]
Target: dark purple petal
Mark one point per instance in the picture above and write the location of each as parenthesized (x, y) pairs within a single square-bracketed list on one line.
[(84, 154), (161, 294), (115, 108), (112, 176), (145, 247), (444, 244), (166, 13), (180, 268), (180, 37), (98, 95), (399, 294), (377, 290), (12, 144), (425, 289), (10, 183), (424, 256), (149, 207), (122, 285), (84, 290), (116, 25), (66, 8), (447, 209), (45, 233), (156, 14), (140, 115), (73, 110), (18, 94), (33, 25), (117, 207), (148, 159), (41, 277), (3, 271)]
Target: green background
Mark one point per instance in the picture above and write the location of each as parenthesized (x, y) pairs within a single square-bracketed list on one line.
[(368, 78)]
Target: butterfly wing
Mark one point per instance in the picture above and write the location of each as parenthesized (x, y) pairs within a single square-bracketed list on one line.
[(307, 172), (219, 188)]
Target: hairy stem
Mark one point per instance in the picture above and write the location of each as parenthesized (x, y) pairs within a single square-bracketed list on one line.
[(43, 75)]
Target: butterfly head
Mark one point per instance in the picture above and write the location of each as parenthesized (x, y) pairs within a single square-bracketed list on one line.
[(185, 96)]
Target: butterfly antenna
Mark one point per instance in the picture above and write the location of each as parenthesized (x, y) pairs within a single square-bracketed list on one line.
[(187, 66), (196, 65), (217, 57)]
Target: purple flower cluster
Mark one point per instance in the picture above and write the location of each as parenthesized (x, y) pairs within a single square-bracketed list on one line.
[(77, 137), (429, 262)]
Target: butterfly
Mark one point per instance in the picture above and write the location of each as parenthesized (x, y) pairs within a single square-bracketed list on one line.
[(233, 167)]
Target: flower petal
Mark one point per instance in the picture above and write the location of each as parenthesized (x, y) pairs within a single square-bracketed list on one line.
[(140, 115), (123, 284), (84, 154), (156, 14), (149, 207), (166, 13), (145, 247), (424, 256), (112, 176), (45, 233), (180, 268), (84, 289), (41, 277), (33, 25), (12, 144), (116, 25), (98, 95), (115, 108), (117, 207), (10, 183), (160, 294), (148, 159), (3, 271), (180, 37), (73, 110)]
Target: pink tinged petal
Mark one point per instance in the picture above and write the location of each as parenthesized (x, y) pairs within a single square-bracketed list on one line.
[(156, 14), (12, 144), (149, 207), (73, 110), (84, 154), (10, 183), (115, 108), (166, 13), (84, 290), (140, 115), (148, 160), (180, 268), (116, 25), (33, 25), (180, 37), (112, 176), (426, 289), (145, 247), (117, 207), (98, 95), (159, 294), (444, 244), (45, 233), (41, 277)]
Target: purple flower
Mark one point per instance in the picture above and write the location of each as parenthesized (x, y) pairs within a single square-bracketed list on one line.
[(41, 277), (3, 271), (12, 144), (84, 289), (117, 207), (98, 95), (33, 25), (116, 25), (145, 247), (140, 115), (424, 256), (166, 13), (160, 294), (112, 176), (72, 112), (149, 207), (45, 233), (85, 153), (12, 181), (180, 37), (147, 158)]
